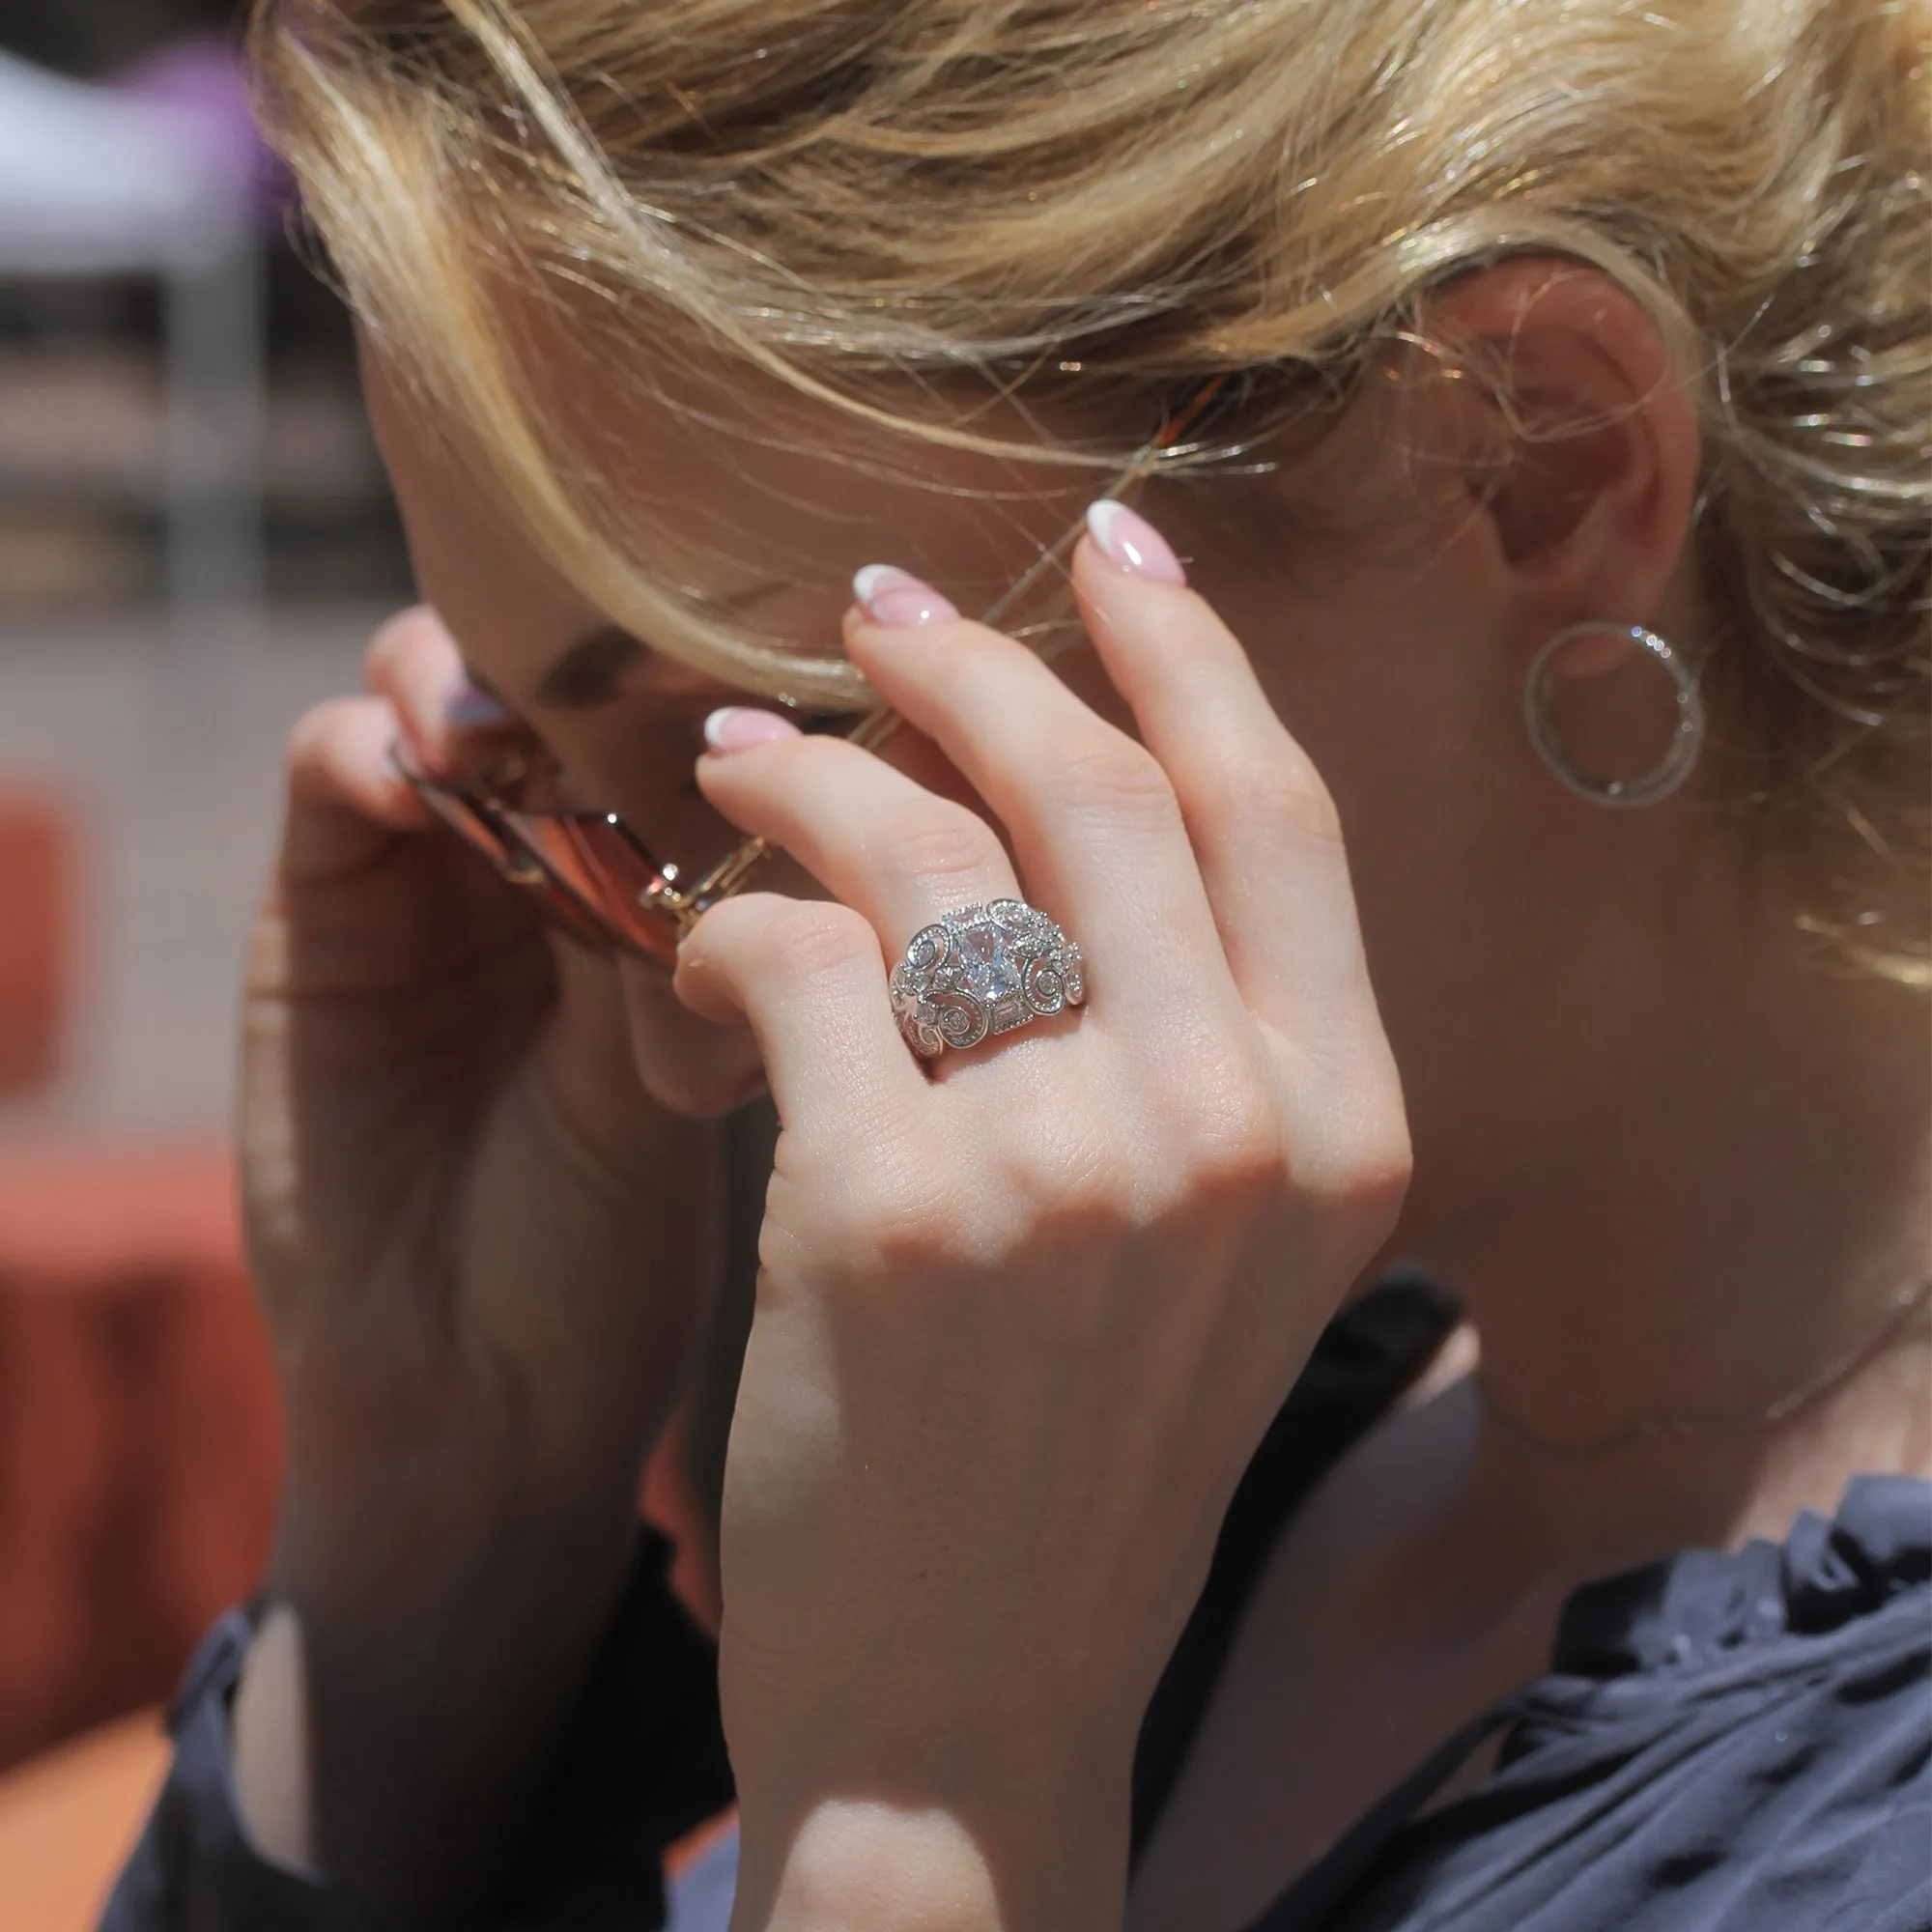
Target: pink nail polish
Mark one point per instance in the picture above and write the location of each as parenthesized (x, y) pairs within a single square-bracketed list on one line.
[(896, 598), (1124, 537), (738, 728)]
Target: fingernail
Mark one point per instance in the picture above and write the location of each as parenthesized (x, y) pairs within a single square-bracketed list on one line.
[(1124, 537), (738, 728), (409, 757), (895, 597), (425, 750), (470, 707)]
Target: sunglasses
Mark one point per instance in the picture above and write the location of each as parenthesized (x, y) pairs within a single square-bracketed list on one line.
[(591, 875)]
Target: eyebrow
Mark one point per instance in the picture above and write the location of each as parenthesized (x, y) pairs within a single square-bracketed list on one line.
[(591, 672)]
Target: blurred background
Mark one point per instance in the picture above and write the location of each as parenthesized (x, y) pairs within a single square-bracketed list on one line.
[(195, 539)]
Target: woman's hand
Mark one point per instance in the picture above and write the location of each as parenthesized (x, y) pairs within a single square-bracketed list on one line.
[(1021, 1321), (484, 1251)]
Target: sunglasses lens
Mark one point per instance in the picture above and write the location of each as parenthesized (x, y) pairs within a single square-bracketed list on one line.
[(592, 859), (471, 825), (590, 875)]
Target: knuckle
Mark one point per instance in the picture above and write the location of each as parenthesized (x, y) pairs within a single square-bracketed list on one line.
[(1190, 642), (968, 650), (1062, 1170), (1237, 1147), (1359, 1157), (941, 843), (1110, 777), (1051, 1185), (887, 1217), (822, 939), (1224, 1137), (1276, 788), (1383, 1184), (1381, 1158)]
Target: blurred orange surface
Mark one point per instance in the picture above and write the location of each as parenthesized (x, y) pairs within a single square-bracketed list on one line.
[(69, 1820), (139, 1437)]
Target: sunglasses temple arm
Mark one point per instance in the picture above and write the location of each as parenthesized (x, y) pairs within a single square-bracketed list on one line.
[(1137, 471)]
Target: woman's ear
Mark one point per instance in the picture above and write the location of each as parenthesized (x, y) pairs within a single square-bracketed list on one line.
[(1580, 444)]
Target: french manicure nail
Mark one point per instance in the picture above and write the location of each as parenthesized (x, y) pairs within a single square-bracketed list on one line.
[(1124, 537), (897, 598), (472, 709), (737, 727)]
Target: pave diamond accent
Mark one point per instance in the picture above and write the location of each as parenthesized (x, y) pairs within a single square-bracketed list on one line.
[(983, 970)]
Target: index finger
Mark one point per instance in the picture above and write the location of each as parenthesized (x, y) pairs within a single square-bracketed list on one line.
[(809, 978)]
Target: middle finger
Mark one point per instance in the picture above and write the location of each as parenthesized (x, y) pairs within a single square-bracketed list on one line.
[(1092, 820)]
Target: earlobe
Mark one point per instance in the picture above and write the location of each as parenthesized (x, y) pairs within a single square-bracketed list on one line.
[(1588, 471)]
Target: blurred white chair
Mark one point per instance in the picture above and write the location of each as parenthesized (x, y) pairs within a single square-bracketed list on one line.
[(94, 181)]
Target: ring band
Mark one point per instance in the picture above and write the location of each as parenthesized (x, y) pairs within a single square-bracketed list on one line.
[(985, 969)]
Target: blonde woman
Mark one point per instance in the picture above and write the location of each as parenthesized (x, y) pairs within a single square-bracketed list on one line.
[(1449, 821)]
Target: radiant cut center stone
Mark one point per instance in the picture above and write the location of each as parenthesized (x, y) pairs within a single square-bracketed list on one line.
[(987, 968)]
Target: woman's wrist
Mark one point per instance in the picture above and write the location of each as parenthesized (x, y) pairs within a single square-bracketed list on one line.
[(363, 1558), (423, 1649), (394, 1731)]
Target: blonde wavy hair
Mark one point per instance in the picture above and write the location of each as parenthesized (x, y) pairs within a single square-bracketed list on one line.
[(903, 208)]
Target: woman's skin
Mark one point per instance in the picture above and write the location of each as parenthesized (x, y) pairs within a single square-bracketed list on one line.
[(1673, 1159)]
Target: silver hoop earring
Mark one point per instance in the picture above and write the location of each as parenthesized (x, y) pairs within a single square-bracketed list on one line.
[(1687, 736)]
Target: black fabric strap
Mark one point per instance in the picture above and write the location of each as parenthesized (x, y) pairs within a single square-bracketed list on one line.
[(1370, 1355)]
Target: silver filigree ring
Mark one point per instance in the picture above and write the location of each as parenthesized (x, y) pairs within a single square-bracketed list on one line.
[(985, 969)]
